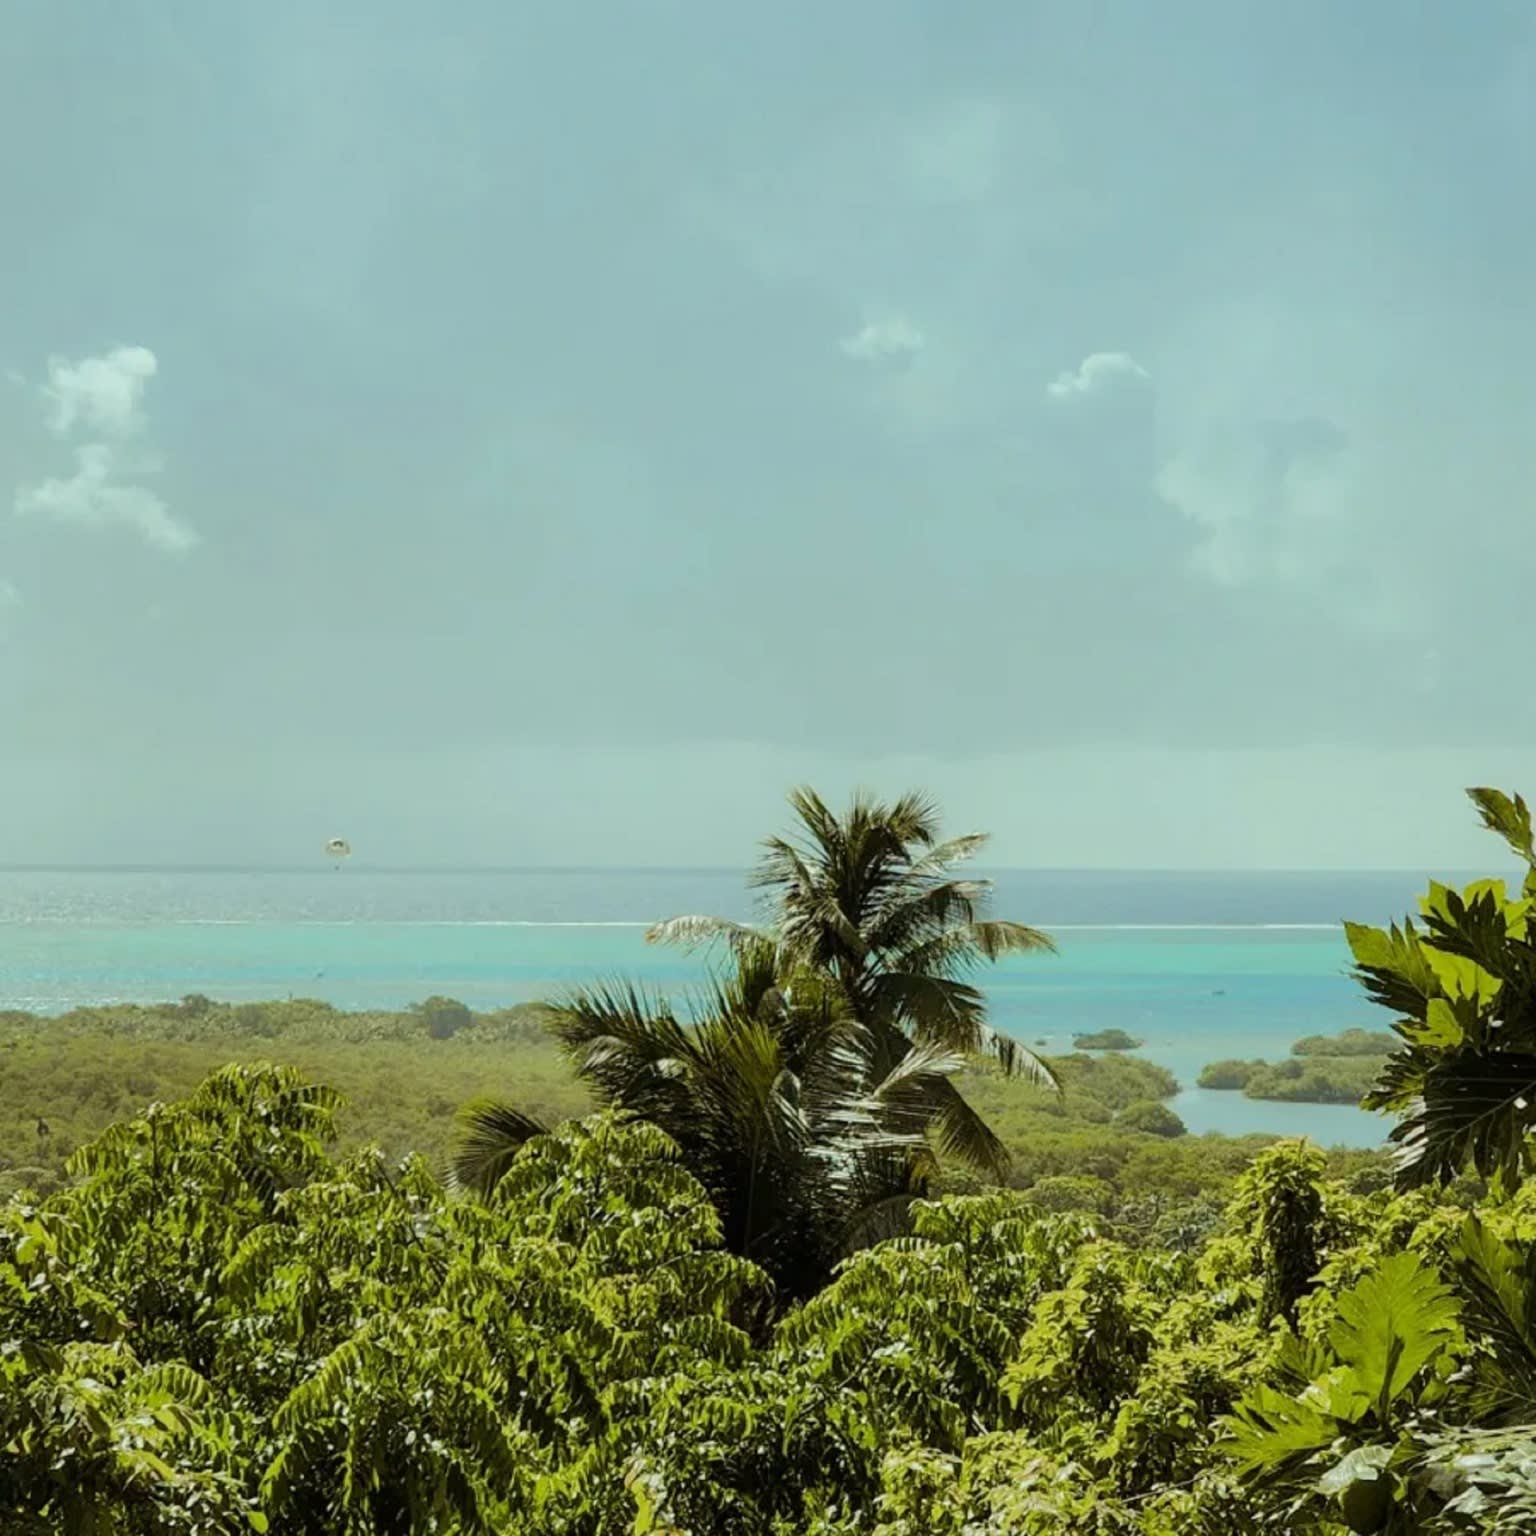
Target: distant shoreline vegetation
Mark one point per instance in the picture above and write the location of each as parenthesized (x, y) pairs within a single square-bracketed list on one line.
[(1321, 1069), (1349, 1042), (1107, 1040), (406, 1074)]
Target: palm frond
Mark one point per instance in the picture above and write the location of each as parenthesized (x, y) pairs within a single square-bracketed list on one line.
[(931, 1007), (886, 1186), (491, 1134), (907, 1097), (963, 1134), (629, 1050), (1016, 1059), (752, 985), (817, 817), (615, 1012), (755, 1093), (950, 952), (700, 931), (914, 818), (783, 869), (879, 1220), (926, 911), (995, 938), (937, 861), (815, 929)]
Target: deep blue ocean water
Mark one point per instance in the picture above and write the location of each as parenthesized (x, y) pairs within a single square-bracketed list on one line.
[(1201, 966)]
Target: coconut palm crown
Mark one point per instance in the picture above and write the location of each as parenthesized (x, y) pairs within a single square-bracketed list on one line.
[(807, 1088), (871, 900)]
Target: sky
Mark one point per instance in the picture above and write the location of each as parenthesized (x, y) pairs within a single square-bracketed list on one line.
[(533, 433)]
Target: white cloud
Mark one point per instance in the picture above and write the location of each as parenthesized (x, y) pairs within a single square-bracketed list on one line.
[(102, 398), (893, 340), (101, 394), (1096, 372), (93, 497)]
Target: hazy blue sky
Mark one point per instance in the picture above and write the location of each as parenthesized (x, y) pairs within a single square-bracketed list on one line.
[(542, 433)]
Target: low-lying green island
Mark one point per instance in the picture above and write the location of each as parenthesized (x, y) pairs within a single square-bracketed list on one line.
[(1107, 1040), (1321, 1069)]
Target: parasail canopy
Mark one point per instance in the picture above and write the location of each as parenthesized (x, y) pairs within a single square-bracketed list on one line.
[(338, 848)]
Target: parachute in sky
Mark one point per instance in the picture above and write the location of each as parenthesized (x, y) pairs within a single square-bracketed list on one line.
[(338, 848)]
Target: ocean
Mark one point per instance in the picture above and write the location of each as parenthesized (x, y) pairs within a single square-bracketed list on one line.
[(1199, 966)]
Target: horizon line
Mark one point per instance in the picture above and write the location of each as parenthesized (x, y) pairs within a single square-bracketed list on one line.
[(323, 867)]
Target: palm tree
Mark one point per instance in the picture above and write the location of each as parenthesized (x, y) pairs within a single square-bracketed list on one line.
[(870, 899), (804, 1088), (767, 1091)]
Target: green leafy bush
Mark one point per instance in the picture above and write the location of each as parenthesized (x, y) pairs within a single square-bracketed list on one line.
[(1150, 1116), (444, 1017)]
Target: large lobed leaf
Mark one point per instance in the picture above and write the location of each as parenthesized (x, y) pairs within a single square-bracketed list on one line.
[(1471, 1106), (1391, 1325)]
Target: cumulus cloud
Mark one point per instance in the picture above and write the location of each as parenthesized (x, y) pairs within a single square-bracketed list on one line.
[(1097, 372), (101, 394), (94, 497), (892, 341), (101, 400)]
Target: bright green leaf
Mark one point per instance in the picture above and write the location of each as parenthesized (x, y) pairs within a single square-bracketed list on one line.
[(1460, 977), (1440, 1027), (1365, 1463), (1371, 947), (1392, 1324)]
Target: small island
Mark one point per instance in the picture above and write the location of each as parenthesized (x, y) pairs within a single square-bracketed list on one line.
[(1107, 1040), (1227, 1074), (1351, 1042), (1321, 1069)]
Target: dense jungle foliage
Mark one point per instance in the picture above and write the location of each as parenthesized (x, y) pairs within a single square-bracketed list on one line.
[(222, 1324)]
